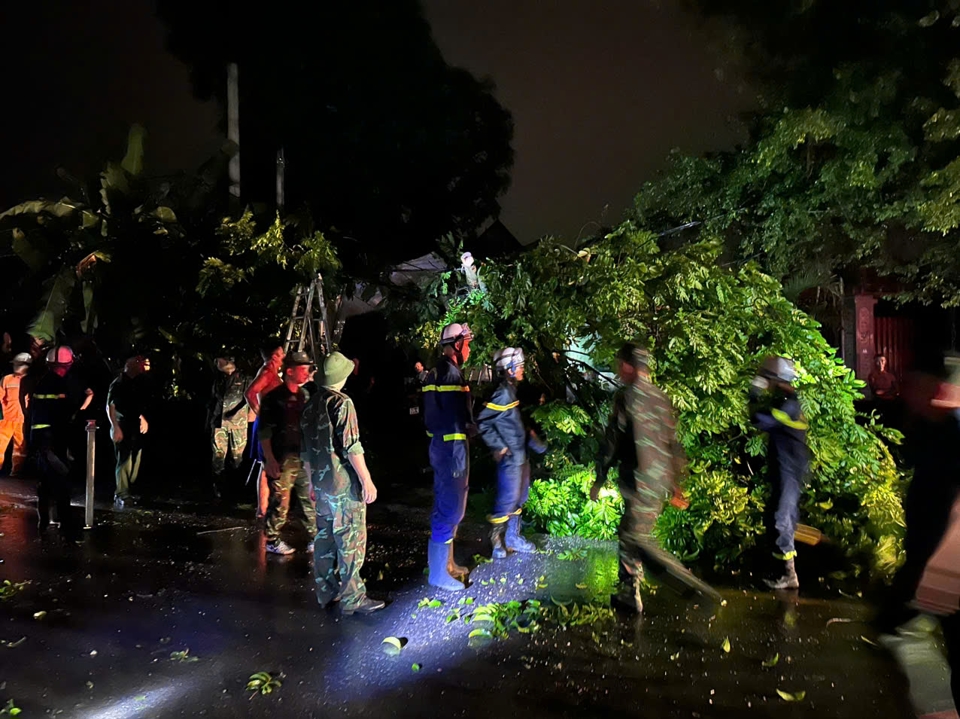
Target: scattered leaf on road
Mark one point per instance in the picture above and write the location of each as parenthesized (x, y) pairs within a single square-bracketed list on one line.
[(39, 615), (795, 697), (726, 645), (772, 661), (415, 668), (392, 646)]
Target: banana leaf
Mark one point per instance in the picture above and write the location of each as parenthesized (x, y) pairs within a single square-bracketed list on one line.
[(60, 208), (27, 250), (133, 161), (89, 323), (56, 300)]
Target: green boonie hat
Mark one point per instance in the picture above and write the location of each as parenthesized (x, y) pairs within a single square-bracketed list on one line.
[(336, 369)]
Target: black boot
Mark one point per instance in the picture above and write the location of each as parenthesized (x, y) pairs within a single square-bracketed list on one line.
[(787, 580), (496, 539)]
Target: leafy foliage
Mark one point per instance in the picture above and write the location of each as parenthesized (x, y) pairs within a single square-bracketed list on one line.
[(854, 166), (708, 327)]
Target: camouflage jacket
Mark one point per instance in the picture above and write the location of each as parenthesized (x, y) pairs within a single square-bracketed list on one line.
[(330, 435), (641, 438)]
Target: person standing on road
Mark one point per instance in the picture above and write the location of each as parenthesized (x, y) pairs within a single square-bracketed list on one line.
[(334, 461), (501, 427), (281, 442), (267, 379), (788, 459), (448, 415), (932, 445), (128, 402), (227, 419), (56, 400), (641, 437), (12, 404)]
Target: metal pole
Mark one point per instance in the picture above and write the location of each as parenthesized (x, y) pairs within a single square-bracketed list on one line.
[(233, 125), (281, 163), (91, 466)]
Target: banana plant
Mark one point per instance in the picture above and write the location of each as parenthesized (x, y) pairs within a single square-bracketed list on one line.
[(105, 256)]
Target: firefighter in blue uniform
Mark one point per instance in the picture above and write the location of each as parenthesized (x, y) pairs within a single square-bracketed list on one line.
[(779, 415), (501, 427), (448, 415)]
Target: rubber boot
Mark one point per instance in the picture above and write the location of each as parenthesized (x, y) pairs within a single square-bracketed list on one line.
[(515, 541), (496, 539), (437, 555), (788, 580), (457, 571)]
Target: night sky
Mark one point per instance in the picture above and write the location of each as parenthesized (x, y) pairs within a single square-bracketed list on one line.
[(600, 93)]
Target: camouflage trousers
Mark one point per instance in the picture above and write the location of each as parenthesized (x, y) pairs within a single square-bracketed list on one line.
[(229, 439), (339, 550), (642, 505), (292, 480)]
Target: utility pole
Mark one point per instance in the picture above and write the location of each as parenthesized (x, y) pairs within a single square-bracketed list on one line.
[(233, 126), (281, 166)]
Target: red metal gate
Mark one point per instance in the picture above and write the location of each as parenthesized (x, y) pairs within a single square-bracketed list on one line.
[(894, 340)]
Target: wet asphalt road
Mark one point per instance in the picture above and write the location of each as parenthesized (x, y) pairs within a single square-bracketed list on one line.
[(96, 631)]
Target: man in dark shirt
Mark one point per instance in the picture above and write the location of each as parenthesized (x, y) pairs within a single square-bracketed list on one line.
[(227, 419), (127, 407), (56, 400), (281, 441)]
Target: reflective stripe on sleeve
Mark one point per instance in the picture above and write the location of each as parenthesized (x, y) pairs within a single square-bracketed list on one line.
[(784, 419), (501, 407), (445, 388), (454, 437)]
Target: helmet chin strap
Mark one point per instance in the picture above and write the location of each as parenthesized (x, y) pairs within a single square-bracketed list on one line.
[(458, 352)]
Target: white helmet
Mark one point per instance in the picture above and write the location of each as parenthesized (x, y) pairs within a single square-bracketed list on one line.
[(22, 358), (780, 368), (455, 332), (61, 355), (509, 358)]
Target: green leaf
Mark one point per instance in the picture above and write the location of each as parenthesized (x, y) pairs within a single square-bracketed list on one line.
[(164, 214), (415, 667), (772, 661), (795, 697), (726, 645), (392, 645)]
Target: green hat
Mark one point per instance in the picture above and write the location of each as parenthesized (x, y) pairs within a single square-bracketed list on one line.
[(336, 369)]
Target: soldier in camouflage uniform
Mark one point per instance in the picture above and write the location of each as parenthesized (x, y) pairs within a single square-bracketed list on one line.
[(227, 418), (334, 461), (641, 438)]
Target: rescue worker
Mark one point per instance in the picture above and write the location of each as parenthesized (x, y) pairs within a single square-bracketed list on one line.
[(281, 442), (12, 404), (55, 402), (777, 412), (128, 400), (334, 461), (227, 419), (448, 415), (501, 427), (641, 437), (267, 379)]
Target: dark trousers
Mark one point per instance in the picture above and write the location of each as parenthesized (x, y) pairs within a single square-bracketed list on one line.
[(451, 479), (54, 489), (513, 489), (128, 462), (782, 515)]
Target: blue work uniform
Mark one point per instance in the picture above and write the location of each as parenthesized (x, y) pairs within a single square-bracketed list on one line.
[(501, 427), (788, 460), (447, 413)]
